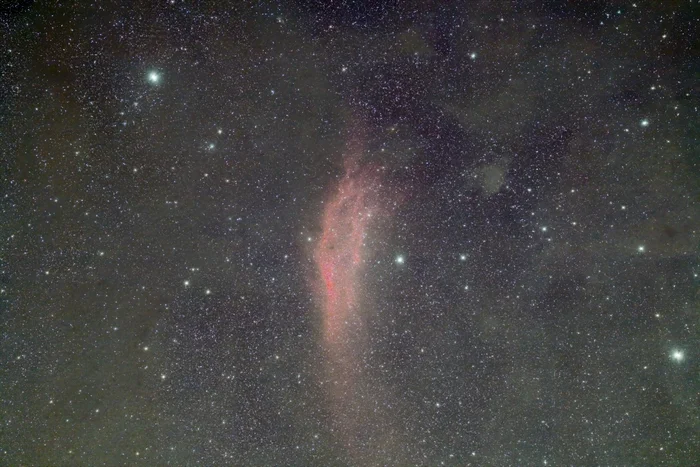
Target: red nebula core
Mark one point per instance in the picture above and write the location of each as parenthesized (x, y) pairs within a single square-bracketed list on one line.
[(340, 253)]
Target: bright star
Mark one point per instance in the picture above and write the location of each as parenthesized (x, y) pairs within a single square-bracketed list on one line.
[(677, 355), (154, 77), (400, 259), (644, 122), (641, 249)]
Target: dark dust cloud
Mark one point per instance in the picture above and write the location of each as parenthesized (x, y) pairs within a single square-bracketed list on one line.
[(350, 233)]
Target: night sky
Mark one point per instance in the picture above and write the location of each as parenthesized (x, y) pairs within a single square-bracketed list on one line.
[(350, 233)]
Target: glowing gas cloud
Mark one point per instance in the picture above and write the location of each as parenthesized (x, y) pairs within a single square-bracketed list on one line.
[(340, 257), (353, 214), (340, 253)]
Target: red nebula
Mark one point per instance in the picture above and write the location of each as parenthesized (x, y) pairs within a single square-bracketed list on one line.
[(340, 253), (341, 256)]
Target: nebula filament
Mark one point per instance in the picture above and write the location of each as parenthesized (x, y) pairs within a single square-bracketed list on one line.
[(341, 257), (340, 254)]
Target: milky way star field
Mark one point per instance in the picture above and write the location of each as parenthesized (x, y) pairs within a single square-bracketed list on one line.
[(350, 233)]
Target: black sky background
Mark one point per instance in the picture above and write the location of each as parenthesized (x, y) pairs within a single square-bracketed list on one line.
[(157, 235)]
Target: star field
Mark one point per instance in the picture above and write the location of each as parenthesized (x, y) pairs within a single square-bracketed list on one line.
[(360, 233)]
